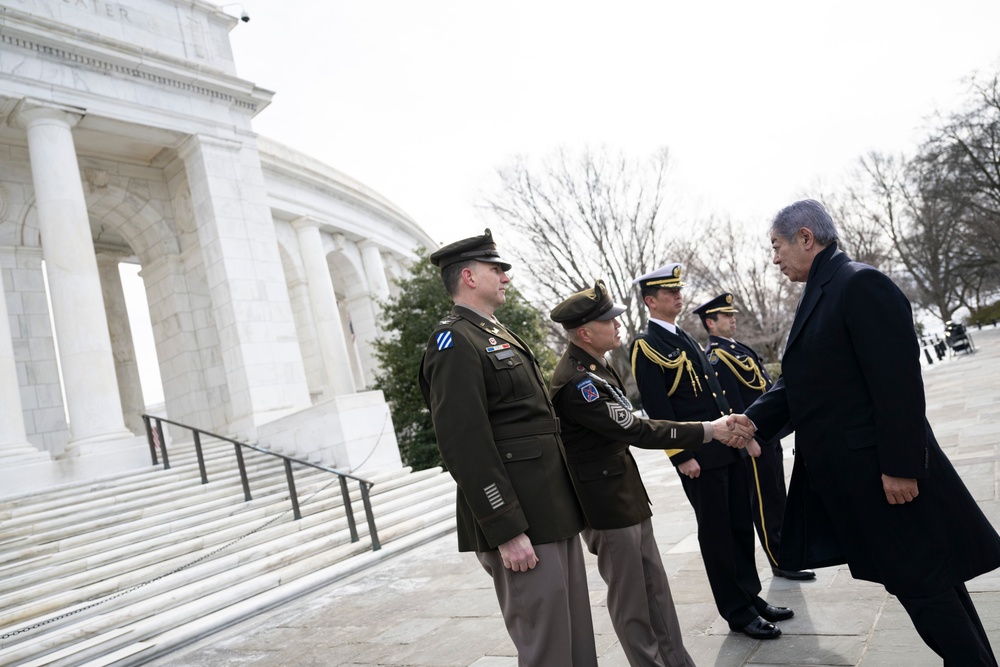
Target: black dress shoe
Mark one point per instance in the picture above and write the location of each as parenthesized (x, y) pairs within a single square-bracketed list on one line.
[(774, 614), (758, 628), (795, 575)]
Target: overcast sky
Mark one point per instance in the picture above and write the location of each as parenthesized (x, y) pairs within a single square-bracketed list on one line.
[(757, 102)]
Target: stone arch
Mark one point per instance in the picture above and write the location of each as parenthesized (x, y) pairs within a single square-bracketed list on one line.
[(127, 211), (129, 216), (27, 227)]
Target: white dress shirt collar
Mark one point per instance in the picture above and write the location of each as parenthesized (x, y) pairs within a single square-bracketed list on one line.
[(669, 326)]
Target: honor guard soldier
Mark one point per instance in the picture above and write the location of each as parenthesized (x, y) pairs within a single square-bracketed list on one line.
[(676, 382), (598, 425), (499, 438), (743, 377)]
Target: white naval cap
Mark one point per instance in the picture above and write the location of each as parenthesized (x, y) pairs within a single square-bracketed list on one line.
[(665, 276)]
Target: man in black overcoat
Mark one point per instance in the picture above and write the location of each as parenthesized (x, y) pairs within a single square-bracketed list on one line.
[(676, 382), (744, 378), (870, 486)]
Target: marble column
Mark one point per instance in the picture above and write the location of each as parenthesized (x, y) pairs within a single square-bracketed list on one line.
[(191, 369), (265, 378), (338, 377), (126, 365), (367, 326), (371, 256), (85, 354), (13, 436)]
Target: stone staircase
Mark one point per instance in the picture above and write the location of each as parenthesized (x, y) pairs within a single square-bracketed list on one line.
[(126, 569)]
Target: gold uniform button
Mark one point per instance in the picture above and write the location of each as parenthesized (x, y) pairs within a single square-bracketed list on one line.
[(714, 395)]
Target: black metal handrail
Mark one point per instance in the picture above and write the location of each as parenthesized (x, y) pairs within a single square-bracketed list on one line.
[(154, 436)]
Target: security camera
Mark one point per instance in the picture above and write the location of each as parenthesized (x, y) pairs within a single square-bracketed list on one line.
[(245, 17)]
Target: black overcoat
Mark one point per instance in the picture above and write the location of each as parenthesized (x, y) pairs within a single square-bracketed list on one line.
[(498, 435), (852, 390)]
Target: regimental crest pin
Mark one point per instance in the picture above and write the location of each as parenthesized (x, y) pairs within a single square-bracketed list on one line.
[(713, 358), (493, 341), (589, 391), (444, 340)]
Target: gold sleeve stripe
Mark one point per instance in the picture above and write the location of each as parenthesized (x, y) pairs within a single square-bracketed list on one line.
[(671, 452)]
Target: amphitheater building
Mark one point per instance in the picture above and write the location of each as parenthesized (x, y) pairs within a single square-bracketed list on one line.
[(126, 138)]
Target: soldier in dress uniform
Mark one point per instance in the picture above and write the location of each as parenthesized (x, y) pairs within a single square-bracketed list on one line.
[(499, 438), (597, 426), (743, 378), (676, 382)]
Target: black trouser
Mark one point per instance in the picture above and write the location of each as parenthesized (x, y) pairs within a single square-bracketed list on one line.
[(949, 625), (767, 478), (725, 535)]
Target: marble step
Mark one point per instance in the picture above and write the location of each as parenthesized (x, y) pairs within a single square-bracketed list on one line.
[(183, 613), (264, 477), (130, 566), (217, 463), (50, 595), (224, 505), (179, 474), (102, 552), (219, 457), (111, 510)]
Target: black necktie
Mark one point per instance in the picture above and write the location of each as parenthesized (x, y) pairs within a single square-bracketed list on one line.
[(687, 339)]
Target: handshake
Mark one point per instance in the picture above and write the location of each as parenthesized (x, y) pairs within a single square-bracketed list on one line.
[(736, 431)]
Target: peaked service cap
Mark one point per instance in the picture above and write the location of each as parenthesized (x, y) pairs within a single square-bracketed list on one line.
[(589, 305), (720, 304), (665, 276), (481, 248)]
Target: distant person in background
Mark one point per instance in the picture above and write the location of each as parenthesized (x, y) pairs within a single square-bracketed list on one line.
[(597, 427), (499, 437), (743, 378), (870, 485)]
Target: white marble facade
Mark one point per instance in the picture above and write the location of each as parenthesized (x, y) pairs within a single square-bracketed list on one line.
[(126, 136)]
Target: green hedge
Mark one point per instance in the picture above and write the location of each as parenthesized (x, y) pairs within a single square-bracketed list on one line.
[(986, 315)]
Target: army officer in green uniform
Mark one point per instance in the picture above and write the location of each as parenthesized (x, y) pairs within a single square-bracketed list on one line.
[(499, 438), (597, 426)]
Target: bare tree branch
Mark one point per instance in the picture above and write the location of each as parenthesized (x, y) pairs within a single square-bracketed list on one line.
[(576, 217)]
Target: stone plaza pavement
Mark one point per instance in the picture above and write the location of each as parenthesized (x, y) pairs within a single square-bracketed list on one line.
[(436, 607)]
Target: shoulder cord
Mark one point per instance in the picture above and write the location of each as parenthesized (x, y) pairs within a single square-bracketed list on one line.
[(757, 381), (680, 364), (615, 391)]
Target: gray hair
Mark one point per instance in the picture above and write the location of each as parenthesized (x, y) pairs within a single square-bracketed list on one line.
[(807, 213)]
